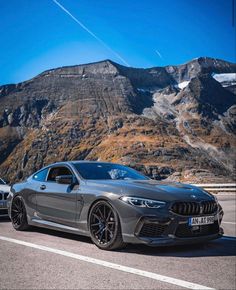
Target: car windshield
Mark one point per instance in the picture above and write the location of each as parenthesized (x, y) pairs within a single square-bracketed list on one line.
[(1, 181), (107, 171)]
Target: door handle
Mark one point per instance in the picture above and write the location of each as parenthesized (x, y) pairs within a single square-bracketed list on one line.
[(43, 187)]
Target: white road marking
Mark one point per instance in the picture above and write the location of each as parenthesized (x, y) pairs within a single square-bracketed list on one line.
[(103, 263), (231, 223)]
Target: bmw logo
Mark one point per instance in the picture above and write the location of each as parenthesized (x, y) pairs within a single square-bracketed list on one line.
[(193, 196)]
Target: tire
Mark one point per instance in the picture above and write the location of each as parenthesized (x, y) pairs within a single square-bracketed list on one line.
[(18, 214), (104, 227)]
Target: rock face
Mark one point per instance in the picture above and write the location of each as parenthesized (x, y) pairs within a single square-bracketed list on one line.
[(176, 122)]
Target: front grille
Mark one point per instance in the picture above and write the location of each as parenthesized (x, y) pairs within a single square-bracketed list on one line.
[(152, 230), (186, 231), (3, 196), (194, 208)]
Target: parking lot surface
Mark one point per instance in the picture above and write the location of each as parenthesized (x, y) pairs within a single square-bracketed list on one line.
[(46, 259)]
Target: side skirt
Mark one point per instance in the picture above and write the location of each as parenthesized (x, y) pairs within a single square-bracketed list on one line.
[(55, 226)]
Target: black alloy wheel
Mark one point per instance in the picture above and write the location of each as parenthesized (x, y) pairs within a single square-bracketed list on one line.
[(104, 226), (18, 214)]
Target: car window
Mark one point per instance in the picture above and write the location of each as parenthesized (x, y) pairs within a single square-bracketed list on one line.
[(56, 171), (41, 175), (107, 171)]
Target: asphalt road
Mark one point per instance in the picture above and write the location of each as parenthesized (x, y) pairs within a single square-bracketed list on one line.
[(79, 264)]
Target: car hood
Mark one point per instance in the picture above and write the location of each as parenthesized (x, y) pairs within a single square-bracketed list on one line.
[(4, 187), (166, 191)]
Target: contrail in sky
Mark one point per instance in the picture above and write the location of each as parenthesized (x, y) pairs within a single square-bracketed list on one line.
[(158, 54), (90, 32)]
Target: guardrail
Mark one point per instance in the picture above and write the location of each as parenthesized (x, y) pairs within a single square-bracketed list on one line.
[(218, 187)]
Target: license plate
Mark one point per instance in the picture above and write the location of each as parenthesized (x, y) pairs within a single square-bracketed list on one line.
[(203, 220), (3, 204)]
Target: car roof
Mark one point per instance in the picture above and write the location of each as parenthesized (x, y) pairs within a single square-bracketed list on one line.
[(71, 162), (79, 161)]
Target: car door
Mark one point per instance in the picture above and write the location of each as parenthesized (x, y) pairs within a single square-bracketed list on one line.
[(57, 202)]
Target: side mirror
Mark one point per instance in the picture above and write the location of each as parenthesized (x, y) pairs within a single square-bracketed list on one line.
[(65, 179)]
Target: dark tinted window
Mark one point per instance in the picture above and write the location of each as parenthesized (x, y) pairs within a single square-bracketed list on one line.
[(107, 171), (56, 171), (41, 175)]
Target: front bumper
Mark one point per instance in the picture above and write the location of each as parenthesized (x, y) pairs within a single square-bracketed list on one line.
[(167, 228), (172, 241), (168, 235), (3, 208)]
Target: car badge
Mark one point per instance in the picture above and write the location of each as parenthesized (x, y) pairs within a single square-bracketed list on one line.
[(193, 196)]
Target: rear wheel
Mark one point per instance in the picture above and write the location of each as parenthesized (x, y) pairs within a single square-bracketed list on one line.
[(104, 226), (18, 214)]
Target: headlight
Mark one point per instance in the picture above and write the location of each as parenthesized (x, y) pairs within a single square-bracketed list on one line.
[(143, 202)]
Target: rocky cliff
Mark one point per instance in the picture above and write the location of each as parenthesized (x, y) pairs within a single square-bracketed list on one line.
[(175, 122)]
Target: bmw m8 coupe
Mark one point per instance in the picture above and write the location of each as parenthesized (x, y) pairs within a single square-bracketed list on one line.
[(114, 205)]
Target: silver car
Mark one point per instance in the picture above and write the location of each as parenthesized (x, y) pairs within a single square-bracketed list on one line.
[(4, 191)]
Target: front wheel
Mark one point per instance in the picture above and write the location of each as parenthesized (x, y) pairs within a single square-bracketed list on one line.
[(18, 214), (104, 226)]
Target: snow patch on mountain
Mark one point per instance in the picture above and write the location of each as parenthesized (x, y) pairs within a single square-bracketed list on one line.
[(226, 79), (182, 85)]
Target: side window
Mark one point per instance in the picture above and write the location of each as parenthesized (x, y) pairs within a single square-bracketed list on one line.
[(56, 171), (41, 175)]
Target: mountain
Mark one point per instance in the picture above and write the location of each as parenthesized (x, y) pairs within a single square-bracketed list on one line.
[(175, 122)]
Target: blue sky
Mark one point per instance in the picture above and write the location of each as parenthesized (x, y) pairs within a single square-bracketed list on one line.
[(37, 34)]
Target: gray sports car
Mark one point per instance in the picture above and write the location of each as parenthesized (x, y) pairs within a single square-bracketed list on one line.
[(114, 205)]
